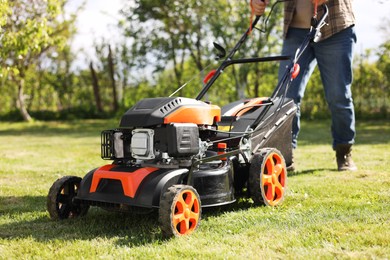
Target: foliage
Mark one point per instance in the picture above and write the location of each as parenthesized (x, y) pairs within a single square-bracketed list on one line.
[(4, 9), (326, 214), (370, 87), (176, 38), (31, 30), (161, 47)]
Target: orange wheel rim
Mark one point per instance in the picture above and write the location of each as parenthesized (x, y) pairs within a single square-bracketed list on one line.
[(273, 179), (185, 215)]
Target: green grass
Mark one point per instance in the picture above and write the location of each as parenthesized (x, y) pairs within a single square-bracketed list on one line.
[(326, 214)]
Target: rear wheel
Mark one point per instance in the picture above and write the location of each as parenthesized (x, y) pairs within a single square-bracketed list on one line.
[(60, 200), (268, 177), (180, 211)]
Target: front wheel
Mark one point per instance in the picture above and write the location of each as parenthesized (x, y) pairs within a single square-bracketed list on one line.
[(180, 211), (268, 177), (60, 200)]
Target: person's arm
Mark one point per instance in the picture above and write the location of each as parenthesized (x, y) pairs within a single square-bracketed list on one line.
[(259, 6), (319, 2)]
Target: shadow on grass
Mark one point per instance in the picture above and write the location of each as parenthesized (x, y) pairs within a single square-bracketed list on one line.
[(127, 229), (29, 218), (134, 229), (242, 203)]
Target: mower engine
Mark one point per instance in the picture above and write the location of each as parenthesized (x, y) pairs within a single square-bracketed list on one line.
[(162, 132)]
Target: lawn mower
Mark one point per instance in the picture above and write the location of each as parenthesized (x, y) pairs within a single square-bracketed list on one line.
[(177, 155)]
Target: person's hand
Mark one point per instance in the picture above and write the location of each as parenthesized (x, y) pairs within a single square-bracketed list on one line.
[(259, 6), (319, 2)]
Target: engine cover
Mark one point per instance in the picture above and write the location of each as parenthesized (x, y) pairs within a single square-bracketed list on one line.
[(183, 140), (156, 111)]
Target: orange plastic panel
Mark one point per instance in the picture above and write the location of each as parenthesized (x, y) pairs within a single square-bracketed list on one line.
[(248, 106), (200, 115), (130, 180)]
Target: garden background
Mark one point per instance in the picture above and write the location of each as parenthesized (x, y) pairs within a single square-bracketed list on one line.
[(54, 102)]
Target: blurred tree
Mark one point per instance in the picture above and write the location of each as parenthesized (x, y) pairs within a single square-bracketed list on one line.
[(58, 80), (111, 71), (96, 88), (32, 28), (384, 66), (4, 9), (163, 46), (104, 76), (165, 36)]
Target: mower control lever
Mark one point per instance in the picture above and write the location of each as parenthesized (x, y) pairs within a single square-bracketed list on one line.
[(221, 51)]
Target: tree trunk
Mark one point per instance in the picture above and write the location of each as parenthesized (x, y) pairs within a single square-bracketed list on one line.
[(96, 88), (22, 106), (239, 84), (257, 81), (112, 78)]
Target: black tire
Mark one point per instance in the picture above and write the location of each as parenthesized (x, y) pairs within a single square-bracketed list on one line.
[(180, 211), (268, 177), (60, 203)]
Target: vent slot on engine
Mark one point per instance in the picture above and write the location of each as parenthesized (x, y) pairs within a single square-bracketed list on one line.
[(115, 144), (107, 144)]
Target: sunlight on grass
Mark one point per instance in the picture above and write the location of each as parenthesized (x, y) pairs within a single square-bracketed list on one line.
[(326, 214)]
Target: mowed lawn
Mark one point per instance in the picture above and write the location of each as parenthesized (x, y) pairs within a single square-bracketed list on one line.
[(326, 214)]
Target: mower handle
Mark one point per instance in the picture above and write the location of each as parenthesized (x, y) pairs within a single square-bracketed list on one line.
[(227, 59), (215, 74)]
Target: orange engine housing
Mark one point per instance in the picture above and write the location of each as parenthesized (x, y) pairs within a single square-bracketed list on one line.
[(150, 112), (200, 115)]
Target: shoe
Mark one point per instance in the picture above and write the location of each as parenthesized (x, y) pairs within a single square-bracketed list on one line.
[(344, 158), (290, 168)]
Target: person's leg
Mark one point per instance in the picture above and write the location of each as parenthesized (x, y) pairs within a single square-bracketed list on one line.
[(334, 56), (307, 64)]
